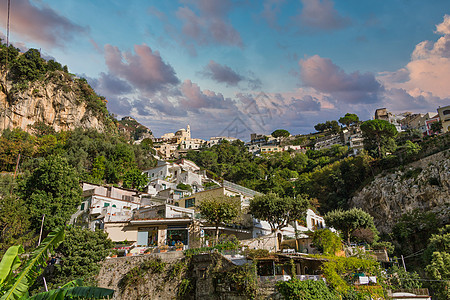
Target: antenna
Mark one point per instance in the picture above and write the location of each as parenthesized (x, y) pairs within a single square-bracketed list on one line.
[(7, 27)]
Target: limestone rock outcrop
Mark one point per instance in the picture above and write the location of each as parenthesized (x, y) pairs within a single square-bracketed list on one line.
[(424, 185), (58, 101)]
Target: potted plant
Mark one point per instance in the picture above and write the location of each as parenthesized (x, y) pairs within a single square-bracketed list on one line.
[(179, 246), (114, 253), (163, 248)]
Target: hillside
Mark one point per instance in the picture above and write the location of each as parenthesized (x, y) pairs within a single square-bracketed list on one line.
[(36, 91), (423, 185)]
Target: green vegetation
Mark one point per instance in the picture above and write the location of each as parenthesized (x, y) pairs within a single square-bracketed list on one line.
[(280, 133), (326, 241), (349, 221), (278, 211), (379, 136), (137, 274), (331, 126), (305, 290), (80, 253), (52, 190), (349, 119), (340, 272), (16, 279), (219, 210)]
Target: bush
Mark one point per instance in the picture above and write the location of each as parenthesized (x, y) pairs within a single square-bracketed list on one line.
[(295, 289)]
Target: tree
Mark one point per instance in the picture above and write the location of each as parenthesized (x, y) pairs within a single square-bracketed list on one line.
[(14, 221), (134, 179), (280, 133), (219, 210), (326, 241), (348, 221), (320, 127), (277, 211), (378, 132), (80, 252), (437, 257), (16, 279), (349, 119), (52, 189), (436, 127)]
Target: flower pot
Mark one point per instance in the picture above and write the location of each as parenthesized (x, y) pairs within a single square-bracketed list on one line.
[(115, 255), (129, 254)]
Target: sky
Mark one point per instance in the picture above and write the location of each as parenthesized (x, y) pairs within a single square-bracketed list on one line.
[(231, 68)]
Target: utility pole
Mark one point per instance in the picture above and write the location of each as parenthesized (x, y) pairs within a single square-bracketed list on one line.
[(403, 260), (42, 225), (17, 165)]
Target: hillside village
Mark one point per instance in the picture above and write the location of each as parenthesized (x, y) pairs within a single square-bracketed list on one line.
[(177, 217)]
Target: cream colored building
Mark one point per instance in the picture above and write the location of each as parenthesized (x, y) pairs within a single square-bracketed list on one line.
[(444, 115), (227, 189)]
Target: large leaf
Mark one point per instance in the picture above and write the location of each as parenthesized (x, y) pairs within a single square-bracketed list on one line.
[(9, 263), (34, 265), (74, 289)]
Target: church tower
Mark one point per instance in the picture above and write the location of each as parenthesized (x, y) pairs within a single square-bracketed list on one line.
[(188, 132)]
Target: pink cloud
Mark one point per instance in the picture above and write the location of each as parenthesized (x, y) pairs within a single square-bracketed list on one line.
[(144, 70), (326, 77), (321, 15), (194, 98), (210, 25), (428, 72), (41, 24)]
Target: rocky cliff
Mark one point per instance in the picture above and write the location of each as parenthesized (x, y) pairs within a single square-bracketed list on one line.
[(424, 185), (59, 100)]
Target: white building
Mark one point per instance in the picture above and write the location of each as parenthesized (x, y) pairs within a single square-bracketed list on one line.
[(169, 175), (102, 204)]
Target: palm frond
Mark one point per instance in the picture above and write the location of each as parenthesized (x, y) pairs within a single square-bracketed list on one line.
[(34, 265)]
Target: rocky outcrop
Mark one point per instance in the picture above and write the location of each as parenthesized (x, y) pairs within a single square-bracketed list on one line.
[(58, 101), (424, 185)]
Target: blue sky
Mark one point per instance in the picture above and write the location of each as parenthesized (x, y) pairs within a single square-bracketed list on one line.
[(236, 67)]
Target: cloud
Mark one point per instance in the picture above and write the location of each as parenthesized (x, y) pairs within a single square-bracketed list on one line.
[(221, 74), (210, 25), (271, 10), (224, 74), (41, 24), (195, 99), (144, 70), (326, 77), (320, 15), (426, 75), (308, 103)]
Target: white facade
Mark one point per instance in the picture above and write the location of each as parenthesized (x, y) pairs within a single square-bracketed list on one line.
[(184, 171), (313, 222)]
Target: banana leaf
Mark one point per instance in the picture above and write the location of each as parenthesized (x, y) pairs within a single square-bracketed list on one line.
[(10, 262), (74, 290), (34, 266)]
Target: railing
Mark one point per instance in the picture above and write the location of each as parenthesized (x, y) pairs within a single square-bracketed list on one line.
[(417, 292), (275, 278), (310, 277)]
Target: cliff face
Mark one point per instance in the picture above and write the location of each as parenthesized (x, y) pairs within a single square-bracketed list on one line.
[(424, 185), (59, 101)]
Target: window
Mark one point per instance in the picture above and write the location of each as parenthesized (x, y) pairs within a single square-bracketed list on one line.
[(114, 205), (82, 206), (189, 203), (446, 112), (106, 204)]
